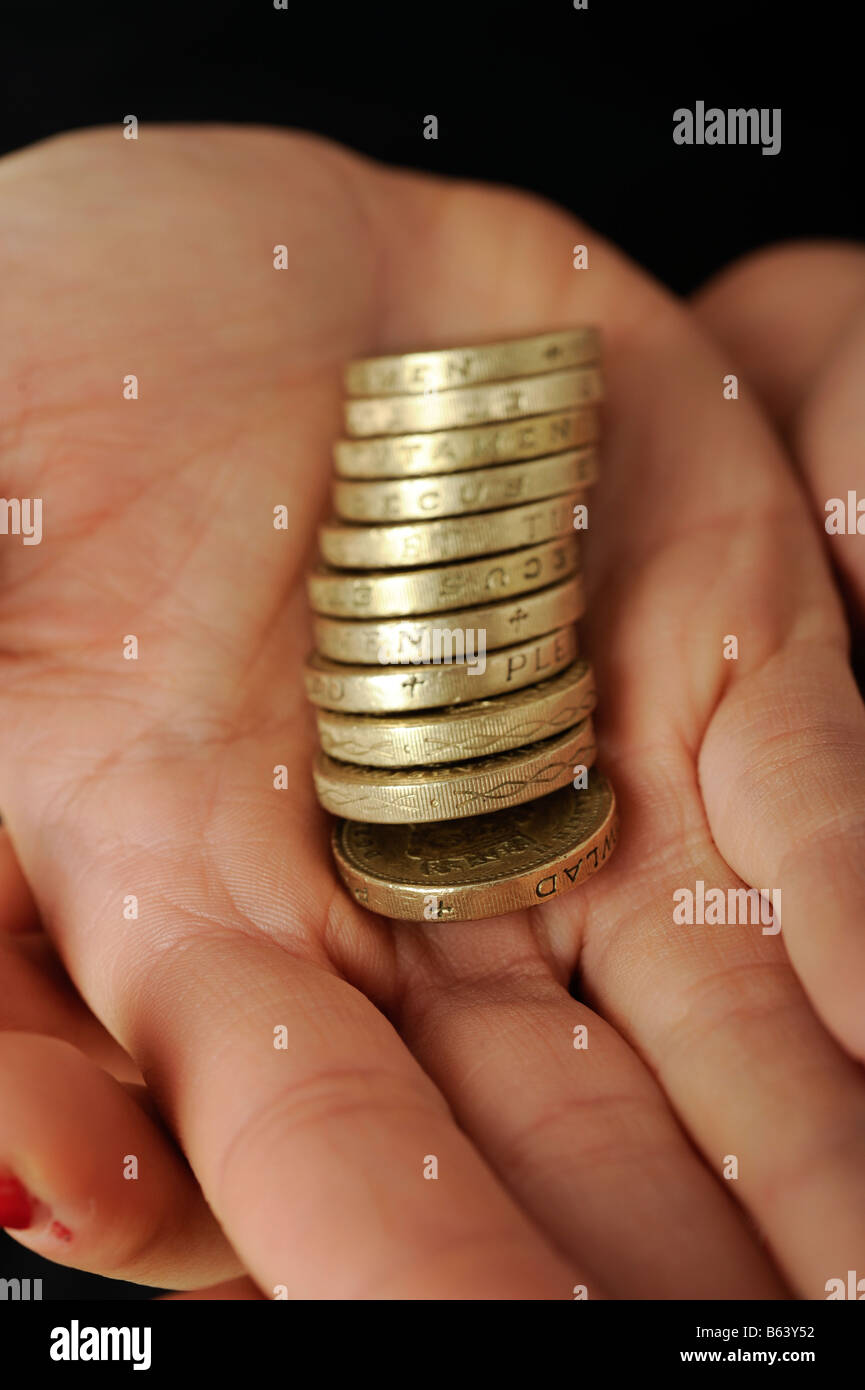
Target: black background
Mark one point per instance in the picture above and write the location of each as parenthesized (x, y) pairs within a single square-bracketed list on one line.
[(576, 105)]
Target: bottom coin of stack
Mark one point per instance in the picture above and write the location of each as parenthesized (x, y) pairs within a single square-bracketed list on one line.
[(454, 711)]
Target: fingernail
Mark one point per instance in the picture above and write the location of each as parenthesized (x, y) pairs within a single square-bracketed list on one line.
[(16, 1204)]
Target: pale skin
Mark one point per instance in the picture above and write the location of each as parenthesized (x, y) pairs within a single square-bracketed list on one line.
[(557, 1167)]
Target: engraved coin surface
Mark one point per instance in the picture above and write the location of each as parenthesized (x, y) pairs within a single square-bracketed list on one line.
[(414, 372), (478, 866), (451, 451), (349, 546), (458, 494), (474, 730), (399, 796), (392, 593), (474, 405), (453, 711), (434, 635), (385, 689)]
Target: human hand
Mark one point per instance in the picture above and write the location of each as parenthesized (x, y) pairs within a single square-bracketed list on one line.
[(153, 778)]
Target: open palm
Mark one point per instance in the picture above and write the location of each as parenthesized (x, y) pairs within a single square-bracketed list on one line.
[(146, 786)]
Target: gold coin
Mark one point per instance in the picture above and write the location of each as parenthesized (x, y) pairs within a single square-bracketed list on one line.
[(387, 689), (478, 729), (413, 640), (451, 451), (473, 405), (479, 866), (401, 796), (481, 490), (412, 372), (389, 593), (348, 546)]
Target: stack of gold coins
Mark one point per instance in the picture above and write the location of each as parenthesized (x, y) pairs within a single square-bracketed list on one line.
[(453, 709)]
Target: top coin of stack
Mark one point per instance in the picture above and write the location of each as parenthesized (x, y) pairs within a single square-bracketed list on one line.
[(453, 711)]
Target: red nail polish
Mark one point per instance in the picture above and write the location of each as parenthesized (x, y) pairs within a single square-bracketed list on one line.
[(16, 1204)]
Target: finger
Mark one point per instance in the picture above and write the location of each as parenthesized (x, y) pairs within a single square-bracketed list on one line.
[(571, 1119), (723, 1023), (331, 1155), (792, 314), (778, 313), (768, 1096), (717, 1012), (37, 996), (311, 1152), (795, 317), (18, 911), (786, 753), (89, 1179)]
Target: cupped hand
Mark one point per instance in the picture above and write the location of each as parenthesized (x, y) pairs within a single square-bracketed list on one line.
[(196, 907)]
